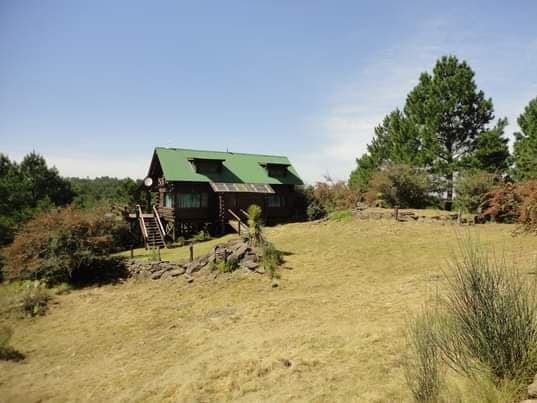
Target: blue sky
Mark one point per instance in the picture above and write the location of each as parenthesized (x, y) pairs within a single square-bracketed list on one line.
[(95, 85)]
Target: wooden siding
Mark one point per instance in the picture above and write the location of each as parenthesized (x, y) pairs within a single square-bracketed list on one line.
[(195, 218)]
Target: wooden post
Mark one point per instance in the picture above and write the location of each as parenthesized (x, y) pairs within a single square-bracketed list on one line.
[(158, 253), (225, 255), (396, 212), (132, 251), (460, 216), (191, 251), (215, 252), (222, 213)]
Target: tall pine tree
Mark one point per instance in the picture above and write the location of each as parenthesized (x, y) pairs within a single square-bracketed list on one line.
[(449, 113)]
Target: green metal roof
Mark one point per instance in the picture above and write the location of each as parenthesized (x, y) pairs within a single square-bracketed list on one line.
[(237, 167)]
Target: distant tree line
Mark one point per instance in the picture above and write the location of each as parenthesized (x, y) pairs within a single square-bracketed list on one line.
[(31, 187)]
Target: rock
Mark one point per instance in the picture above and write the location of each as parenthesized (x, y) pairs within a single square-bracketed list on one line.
[(260, 270), (177, 272), (240, 251), (532, 389), (158, 274), (249, 264), (275, 284), (189, 279)]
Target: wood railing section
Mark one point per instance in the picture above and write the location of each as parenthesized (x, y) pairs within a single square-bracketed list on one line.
[(159, 223), (240, 223), (142, 222)]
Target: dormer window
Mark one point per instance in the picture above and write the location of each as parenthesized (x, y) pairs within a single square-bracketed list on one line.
[(206, 166), (276, 170)]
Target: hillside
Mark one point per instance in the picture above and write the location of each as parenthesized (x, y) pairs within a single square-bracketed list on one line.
[(332, 331)]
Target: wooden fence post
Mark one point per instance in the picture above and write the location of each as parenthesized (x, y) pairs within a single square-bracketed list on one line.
[(191, 251), (396, 212)]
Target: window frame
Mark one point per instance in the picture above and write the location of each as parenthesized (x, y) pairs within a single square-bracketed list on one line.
[(192, 200)]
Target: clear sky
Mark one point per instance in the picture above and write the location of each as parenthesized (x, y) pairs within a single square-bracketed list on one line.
[(95, 85)]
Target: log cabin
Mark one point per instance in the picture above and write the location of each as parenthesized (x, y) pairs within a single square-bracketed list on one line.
[(194, 189)]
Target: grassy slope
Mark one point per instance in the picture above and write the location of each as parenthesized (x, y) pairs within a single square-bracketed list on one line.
[(338, 318)]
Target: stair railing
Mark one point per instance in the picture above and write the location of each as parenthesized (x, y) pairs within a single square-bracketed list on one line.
[(159, 224), (238, 219), (142, 223)]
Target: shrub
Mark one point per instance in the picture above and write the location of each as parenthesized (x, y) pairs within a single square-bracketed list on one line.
[(63, 245), (335, 195), (8, 353), (255, 225), (342, 215), (230, 265), (471, 187), (401, 185), (491, 320), (503, 203), (34, 300), (272, 259), (528, 209), (423, 367)]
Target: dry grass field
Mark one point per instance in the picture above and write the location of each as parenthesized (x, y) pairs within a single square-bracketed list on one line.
[(332, 331)]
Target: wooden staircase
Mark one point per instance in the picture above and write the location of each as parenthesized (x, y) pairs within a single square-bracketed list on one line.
[(152, 229), (237, 224)]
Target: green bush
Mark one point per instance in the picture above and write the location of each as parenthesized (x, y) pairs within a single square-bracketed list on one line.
[(342, 215), (401, 185), (229, 266), (272, 259), (64, 245), (471, 188), (491, 318), (484, 328)]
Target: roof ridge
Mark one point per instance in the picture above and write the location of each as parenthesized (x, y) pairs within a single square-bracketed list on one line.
[(221, 152)]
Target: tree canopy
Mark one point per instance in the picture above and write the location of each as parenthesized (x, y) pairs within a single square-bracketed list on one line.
[(525, 146), (444, 126), (27, 188)]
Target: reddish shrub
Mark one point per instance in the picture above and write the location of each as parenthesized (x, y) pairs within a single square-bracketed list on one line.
[(512, 203), (335, 195), (61, 245), (528, 210)]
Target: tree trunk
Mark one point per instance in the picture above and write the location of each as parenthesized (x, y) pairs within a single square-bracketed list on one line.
[(449, 191)]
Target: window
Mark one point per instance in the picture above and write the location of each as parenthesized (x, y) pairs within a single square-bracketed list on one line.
[(168, 199), (277, 170), (192, 200), (275, 200), (208, 167)]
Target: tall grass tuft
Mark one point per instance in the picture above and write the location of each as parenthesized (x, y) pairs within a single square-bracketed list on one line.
[(491, 320), (424, 370), (272, 259), (8, 353)]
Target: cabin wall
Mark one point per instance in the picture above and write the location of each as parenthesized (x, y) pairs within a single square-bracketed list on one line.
[(193, 219)]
